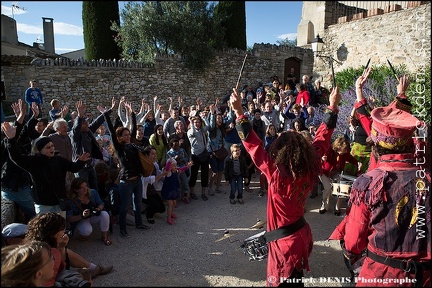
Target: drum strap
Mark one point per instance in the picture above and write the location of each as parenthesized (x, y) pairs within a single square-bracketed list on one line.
[(285, 231), (407, 265)]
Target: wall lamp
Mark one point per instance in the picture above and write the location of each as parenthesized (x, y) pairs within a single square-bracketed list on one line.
[(317, 45)]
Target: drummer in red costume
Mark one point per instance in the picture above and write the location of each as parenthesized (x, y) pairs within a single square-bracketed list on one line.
[(400, 102), (291, 166), (390, 206)]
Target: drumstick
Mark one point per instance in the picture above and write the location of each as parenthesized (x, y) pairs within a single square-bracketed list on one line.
[(333, 75), (367, 64), (394, 72), (241, 71)]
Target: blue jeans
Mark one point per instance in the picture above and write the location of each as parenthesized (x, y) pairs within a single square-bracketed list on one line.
[(236, 184), (22, 198), (127, 190)]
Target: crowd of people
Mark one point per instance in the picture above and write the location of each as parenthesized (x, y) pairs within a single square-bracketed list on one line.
[(72, 171)]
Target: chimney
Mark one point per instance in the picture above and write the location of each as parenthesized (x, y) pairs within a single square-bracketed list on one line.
[(48, 30), (8, 30)]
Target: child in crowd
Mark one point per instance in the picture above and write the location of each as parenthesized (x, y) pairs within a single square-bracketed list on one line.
[(170, 187), (235, 170), (179, 154)]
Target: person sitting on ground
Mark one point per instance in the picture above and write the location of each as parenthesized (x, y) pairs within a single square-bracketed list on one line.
[(26, 265), (87, 208), (152, 185), (50, 228)]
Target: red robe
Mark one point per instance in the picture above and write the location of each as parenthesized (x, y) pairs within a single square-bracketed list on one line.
[(385, 217), (285, 205)]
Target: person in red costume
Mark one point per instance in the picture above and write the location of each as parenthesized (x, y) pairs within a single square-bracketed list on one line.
[(400, 102), (388, 215), (291, 166)]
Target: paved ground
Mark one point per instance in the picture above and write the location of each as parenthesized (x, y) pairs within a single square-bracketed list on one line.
[(187, 254)]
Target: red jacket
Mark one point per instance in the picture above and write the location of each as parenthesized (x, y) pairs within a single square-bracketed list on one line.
[(285, 205), (390, 215), (336, 162)]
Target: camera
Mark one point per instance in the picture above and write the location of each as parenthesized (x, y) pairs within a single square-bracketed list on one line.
[(95, 212)]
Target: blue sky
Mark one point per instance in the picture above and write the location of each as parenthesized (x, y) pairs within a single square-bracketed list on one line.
[(266, 21)]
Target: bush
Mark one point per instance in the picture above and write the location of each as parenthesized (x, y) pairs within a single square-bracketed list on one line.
[(382, 85)]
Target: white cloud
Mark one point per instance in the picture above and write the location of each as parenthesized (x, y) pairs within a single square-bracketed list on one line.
[(290, 36), (29, 29), (67, 29), (60, 28)]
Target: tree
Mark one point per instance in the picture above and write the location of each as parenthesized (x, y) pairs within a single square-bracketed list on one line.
[(98, 37), (233, 14), (187, 28), (287, 42)]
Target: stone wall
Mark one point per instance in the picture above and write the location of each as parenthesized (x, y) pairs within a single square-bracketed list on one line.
[(402, 36), (97, 83)]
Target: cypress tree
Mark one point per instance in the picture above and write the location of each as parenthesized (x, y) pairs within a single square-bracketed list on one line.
[(234, 22), (98, 37)]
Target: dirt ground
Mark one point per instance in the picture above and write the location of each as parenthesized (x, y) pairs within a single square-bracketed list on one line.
[(187, 253)]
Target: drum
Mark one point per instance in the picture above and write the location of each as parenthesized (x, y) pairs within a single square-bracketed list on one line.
[(342, 189), (255, 247)]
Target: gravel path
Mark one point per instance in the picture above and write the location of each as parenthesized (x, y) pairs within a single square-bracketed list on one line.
[(187, 253)]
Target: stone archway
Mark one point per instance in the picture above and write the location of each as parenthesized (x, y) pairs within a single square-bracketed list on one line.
[(291, 62)]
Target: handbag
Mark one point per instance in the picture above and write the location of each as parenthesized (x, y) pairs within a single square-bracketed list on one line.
[(147, 166), (221, 153)]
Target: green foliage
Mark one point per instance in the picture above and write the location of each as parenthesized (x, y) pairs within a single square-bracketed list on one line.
[(382, 85), (287, 42), (187, 28), (98, 37), (233, 14)]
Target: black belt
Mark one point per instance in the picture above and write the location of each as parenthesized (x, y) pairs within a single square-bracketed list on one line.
[(285, 231), (409, 266)]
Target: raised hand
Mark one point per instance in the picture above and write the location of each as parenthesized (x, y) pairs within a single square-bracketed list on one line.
[(64, 111), (16, 109), (235, 101), (84, 157), (363, 78), (404, 82), (81, 108), (35, 109), (8, 129), (335, 97)]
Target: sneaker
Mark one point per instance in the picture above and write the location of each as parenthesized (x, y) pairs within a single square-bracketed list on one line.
[(261, 193), (86, 273), (142, 226), (241, 201), (193, 196), (124, 234), (322, 211), (174, 216), (101, 270), (204, 197), (170, 221), (150, 220), (232, 201)]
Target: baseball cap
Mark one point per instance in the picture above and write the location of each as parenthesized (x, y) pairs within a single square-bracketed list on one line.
[(14, 230)]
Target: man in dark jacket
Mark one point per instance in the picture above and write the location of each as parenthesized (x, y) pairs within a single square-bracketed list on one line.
[(83, 140)]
